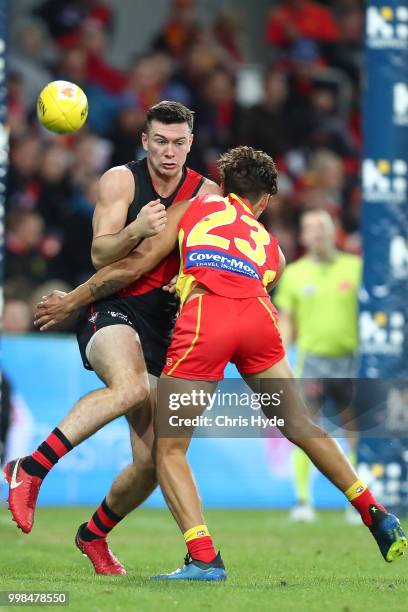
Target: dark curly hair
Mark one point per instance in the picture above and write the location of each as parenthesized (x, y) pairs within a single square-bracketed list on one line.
[(248, 173), (168, 112)]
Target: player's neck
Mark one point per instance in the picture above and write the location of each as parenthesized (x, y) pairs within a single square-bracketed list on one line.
[(163, 185), (326, 256)]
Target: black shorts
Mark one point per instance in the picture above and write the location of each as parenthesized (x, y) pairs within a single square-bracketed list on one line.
[(151, 316), (338, 390)]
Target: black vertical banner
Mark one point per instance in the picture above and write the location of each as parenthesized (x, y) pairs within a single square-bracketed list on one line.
[(3, 136), (383, 463), (384, 296), (3, 150)]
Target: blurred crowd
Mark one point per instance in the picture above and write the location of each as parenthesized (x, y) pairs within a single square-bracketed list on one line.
[(307, 117)]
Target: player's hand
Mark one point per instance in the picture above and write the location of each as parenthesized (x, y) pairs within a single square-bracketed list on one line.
[(151, 219), (51, 310), (171, 285)]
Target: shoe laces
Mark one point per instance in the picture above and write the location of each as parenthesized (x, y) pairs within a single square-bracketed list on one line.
[(188, 559)]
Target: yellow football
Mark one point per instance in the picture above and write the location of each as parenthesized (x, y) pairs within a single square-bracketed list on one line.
[(62, 107)]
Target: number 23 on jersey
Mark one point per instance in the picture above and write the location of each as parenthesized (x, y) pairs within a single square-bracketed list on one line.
[(200, 235)]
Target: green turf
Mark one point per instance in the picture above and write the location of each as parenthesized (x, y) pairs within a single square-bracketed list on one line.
[(272, 564)]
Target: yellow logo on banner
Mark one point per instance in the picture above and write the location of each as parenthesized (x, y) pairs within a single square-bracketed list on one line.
[(384, 166), (380, 318), (387, 27), (387, 13), (385, 180)]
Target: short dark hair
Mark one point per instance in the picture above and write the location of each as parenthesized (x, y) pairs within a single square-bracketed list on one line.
[(248, 173), (170, 112)]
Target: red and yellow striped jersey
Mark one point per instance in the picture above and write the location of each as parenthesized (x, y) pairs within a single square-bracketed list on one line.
[(225, 248)]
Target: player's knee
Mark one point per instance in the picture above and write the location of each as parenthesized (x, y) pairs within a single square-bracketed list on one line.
[(300, 426), (131, 397), (299, 435), (166, 451)]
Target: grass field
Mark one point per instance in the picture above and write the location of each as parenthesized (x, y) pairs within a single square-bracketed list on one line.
[(272, 564)]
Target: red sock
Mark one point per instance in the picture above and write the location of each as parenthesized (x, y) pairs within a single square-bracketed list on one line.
[(101, 522), (362, 503), (47, 454), (202, 549), (199, 543)]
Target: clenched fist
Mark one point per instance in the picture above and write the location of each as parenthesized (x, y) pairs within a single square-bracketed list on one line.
[(152, 219)]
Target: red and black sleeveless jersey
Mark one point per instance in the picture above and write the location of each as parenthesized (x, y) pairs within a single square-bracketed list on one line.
[(187, 188)]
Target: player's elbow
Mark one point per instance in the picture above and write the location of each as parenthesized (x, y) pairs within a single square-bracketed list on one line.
[(97, 263), (96, 256)]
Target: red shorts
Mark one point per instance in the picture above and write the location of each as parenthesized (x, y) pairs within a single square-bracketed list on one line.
[(213, 330)]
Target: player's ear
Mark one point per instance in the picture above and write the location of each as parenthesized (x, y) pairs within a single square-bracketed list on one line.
[(190, 142), (144, 141)]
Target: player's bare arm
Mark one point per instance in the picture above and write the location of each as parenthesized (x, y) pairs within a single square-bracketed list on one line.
[(57, 306), (111, 239), (208, 187), (282, 266), (287, 327)]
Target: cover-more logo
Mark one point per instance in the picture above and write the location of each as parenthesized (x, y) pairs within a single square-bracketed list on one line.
[(387, 27), (385, 180), (382, 333), (400, 104)]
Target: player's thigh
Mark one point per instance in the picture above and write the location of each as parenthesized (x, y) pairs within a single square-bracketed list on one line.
[(281, 397), (279, 370), (117, 358), (276, 381), (180, 403)]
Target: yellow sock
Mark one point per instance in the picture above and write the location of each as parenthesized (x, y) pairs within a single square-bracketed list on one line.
[(302, 469), (199, 531), (355, 490)]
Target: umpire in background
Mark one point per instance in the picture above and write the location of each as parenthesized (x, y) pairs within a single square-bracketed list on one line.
[(317, 299)]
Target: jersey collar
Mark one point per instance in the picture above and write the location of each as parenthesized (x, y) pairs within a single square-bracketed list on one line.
[(245, 203)]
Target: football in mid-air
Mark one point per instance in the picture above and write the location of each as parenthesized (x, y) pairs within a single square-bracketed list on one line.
[(62, 107)]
